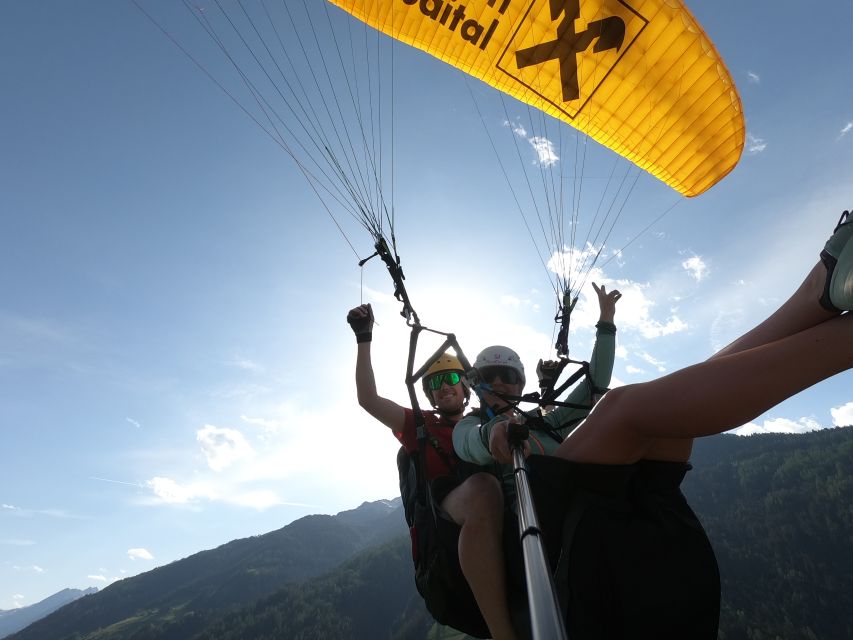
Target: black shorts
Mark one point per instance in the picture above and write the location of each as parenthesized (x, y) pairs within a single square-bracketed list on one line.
[(632, 559)]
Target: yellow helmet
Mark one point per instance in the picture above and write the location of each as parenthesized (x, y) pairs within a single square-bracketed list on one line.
[(445, 362)]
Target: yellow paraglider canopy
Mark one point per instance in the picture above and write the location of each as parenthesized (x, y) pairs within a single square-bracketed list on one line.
[(638, 76)]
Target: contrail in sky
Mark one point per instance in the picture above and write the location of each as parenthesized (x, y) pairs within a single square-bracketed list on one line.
[(130, 484)]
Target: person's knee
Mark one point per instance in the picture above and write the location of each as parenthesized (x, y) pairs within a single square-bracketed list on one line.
[(615, 402), (479, 497), (485, 492)]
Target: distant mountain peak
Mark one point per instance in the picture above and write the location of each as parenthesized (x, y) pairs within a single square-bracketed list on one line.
[(17, 619)]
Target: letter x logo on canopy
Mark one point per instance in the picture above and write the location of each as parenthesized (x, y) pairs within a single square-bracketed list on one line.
[(604, 34)]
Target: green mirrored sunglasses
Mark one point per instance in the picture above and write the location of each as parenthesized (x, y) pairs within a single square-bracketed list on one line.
[(449, 377)]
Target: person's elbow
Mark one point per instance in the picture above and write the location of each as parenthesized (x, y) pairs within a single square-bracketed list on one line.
[(367, 401)]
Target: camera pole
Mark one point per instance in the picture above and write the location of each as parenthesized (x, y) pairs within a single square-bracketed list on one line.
[(545, 619)]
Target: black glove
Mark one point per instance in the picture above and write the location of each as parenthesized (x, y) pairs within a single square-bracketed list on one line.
[(362, 326)]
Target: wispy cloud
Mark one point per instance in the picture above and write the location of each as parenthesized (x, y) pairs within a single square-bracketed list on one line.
[(264, 423), (28, 513), (170, 491), (754, 144), (842, 416), (752, 77), (17, 542), (173, 492), (134, 422), (31, 568), (847, 128), (246, 364), (517, 128), (98, 578), (656, 363)]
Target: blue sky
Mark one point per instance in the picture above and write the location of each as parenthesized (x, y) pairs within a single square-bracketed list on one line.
[(175, 369)]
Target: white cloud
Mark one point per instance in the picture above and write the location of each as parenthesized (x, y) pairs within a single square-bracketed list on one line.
[(98, 578), (546, 153), (779, 425), (9, 506), (696, 268), (755, 144), (222, 446), (657, 364), (753, 77), (517, 128), (171, 492), (37, 569), (842, 416), (545, 149), (632, 369), (17, 542), (633, 313), (621, 352), (134, 422), (847, 128), (139, 553), (18, 601)]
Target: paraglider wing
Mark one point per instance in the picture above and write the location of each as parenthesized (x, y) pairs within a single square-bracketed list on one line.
[(638, 76)]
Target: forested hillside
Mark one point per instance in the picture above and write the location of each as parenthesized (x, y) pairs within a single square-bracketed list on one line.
[(778, 510)]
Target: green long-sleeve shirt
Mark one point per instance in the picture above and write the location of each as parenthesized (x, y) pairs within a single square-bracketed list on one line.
[(471, 441)]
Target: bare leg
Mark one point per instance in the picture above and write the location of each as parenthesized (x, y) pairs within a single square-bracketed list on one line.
[(477, 506), (796, 347), (799, 312)]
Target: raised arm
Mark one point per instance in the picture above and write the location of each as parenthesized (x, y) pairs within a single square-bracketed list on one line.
[(600, 362), (386, 411)]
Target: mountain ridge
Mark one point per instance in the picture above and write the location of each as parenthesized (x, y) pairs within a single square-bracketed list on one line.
[(778, 509)]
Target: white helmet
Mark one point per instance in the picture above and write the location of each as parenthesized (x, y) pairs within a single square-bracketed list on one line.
[(500, 356)]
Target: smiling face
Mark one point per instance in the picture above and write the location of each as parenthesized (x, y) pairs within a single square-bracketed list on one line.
[(447, 392)]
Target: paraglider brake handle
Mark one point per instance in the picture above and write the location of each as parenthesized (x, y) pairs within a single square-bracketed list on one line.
[(361, 263), (548, 371)]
